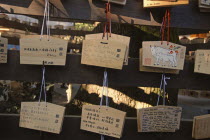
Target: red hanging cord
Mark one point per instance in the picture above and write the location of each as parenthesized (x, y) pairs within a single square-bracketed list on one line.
[(107, 25), (169, 18), (166, 22), (163, 29)]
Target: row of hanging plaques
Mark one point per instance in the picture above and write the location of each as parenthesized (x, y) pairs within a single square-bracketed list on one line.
[(108, 121), (111, 53), (104, 120), (155, 56)]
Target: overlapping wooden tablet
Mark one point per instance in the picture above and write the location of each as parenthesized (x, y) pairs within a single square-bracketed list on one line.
[(204, 5), (121, 2), (3, 50), (163, 55), (42, 116), (164, 3), (35, 51), (115, 37), (159, 119), (103, 53), (205, 2), (202, 61), (152, 69), (201, 127), (103, 120)]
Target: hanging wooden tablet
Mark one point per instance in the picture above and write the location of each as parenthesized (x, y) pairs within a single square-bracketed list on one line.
[(35, 51), (103, 53), (201, 127), (164, 3), (121, 2), (103, 120), (163, 55), (204, 5), (205, 2), (42, 116), (202, 61), (152, 69), (159, 119), (3, 50), (119, 38)]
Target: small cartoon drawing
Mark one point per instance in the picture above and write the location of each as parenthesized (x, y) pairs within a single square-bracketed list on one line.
[(165, 55)]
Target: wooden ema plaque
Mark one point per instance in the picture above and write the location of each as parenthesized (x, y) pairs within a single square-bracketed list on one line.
[(164, 3), (121, 2), (152, 69), (123, 39), (103, 120), (205, 2), (204, 5), (3, 50), (42, 116), (170, 56), (35, 51), (201, 127), (103, 53), (202, 61), (159, 119)]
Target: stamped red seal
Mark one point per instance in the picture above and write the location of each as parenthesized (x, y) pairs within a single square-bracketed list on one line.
[(147, 61)]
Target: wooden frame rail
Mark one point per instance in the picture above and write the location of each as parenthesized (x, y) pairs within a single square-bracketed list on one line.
[(75, 72)]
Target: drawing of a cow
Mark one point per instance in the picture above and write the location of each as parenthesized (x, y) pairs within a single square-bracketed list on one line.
[(164, 55)]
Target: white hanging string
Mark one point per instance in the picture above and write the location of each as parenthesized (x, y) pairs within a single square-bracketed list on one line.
[(45, 10), (164, 88), (46, 20), (43, 87), (102, 137), (163, 84), (104, 90)]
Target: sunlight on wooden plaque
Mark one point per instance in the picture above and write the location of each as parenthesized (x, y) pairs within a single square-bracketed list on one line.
[(202, 61), (35, 51), (103, 120), (159, 119), (115, 37), (3, 50), (103, 53), (164, 3), (42, 116), (152, 69), (163, 55), (201, 127)]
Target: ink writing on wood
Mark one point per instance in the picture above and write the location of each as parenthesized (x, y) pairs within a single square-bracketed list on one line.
[(103, 120)]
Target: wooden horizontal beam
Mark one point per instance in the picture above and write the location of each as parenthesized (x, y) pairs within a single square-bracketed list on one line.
[(71, 130), (37, 29), (185, 16), (17, 25), (194, 47), (75, 72), (123, 27)]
